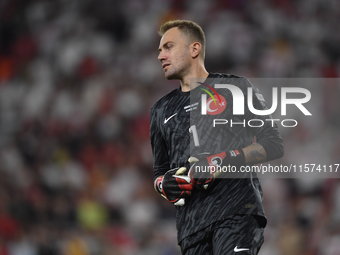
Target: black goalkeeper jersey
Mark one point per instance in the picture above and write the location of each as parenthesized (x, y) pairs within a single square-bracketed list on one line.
[(172, 144)]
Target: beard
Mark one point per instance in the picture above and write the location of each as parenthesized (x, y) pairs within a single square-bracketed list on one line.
[(179, 70), (172, 73)]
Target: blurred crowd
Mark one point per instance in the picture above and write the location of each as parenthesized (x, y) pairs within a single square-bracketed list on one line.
[(77, 81)]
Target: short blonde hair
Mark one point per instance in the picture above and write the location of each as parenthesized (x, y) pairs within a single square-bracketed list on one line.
[(191, 29)]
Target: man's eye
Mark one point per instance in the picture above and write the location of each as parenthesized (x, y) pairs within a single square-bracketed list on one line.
[(169, 47)]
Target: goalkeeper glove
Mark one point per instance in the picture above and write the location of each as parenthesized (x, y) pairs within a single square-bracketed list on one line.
[(206, 168), (174, 186)]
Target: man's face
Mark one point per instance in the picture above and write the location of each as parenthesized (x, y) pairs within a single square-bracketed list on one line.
[(174, 53)]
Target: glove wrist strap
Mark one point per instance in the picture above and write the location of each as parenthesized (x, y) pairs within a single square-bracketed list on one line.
[(159, 185), (235, 158)]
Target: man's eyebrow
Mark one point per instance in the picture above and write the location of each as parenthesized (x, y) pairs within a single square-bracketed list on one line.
[(159, 49)]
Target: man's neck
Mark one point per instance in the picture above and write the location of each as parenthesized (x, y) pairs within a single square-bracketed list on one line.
[(199, 72)]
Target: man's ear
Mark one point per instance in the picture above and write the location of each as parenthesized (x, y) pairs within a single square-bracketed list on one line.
[(195, 49)]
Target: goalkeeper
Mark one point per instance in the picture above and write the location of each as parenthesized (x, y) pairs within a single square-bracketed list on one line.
[(213, 215)]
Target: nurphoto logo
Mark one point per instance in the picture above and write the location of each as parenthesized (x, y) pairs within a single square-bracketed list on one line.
[(216, 104)]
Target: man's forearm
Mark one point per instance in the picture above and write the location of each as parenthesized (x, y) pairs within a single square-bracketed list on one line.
[(254, 154)]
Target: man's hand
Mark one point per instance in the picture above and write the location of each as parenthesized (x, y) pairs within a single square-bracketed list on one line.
[(174, 186), (206, 167)]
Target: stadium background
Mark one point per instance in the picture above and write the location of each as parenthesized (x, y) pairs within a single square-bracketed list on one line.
[(77, 80)]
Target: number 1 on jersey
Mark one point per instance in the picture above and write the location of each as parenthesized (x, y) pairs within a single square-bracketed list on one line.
[(193, 130)]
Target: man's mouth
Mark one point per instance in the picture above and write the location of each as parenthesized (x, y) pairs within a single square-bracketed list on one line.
[(165, 65)]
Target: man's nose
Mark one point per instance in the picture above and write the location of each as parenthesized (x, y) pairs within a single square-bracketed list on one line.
[(161, 56)]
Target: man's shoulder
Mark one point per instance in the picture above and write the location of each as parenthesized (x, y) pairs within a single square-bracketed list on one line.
[(164, 100), (224, 75), (237, 80)]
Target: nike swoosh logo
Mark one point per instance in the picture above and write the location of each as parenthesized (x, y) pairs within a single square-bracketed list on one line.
[(236, 249), (167, 119)]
